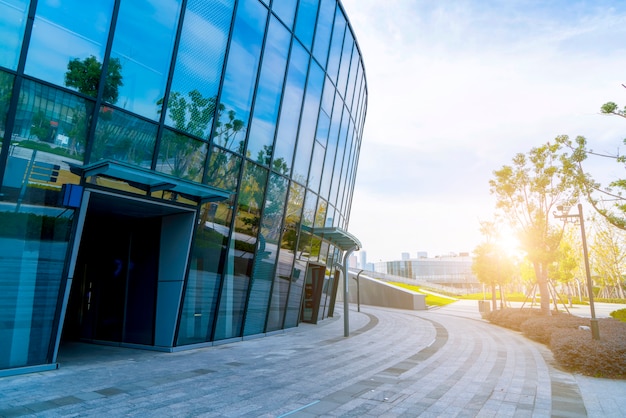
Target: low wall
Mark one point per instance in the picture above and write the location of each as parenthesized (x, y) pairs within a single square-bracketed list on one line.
[(378, 293)]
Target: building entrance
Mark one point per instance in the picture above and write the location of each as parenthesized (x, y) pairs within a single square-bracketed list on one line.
[(132, 253)]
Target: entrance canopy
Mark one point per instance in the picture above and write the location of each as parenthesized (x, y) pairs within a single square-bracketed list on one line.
[(149, 180), (337, 237)]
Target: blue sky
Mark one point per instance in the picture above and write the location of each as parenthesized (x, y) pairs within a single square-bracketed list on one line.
[(456, 89)]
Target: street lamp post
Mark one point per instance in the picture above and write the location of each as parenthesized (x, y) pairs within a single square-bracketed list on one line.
[(595, 330)]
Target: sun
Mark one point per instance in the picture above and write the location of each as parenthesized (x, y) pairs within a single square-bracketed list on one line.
[(509, 243)]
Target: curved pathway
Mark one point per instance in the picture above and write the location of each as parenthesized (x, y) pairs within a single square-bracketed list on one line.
[(396, 363)]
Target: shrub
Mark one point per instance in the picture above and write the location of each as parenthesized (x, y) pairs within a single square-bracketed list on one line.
[(573, 348), (619, 314)]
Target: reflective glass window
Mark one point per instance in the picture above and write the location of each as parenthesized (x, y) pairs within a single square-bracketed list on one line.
[(266, 255), (241, 73), (53, 119), (240, 259), (335, 46), (144, 38), (352, 79), (285, 277), (6, 91), (339, 159), (346, 59), (13, 15), (320, 214), (123, 137), (307, 125), (331, 148), (199, 62), (285, 10), (305, 22), (69, 31), (291, 106), (181, 156), (223, 169), (267, 102), (202, 287), (324, 30), (316, 166)]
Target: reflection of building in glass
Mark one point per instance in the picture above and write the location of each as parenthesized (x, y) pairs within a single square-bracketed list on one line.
[(162, 170), (450, 270)]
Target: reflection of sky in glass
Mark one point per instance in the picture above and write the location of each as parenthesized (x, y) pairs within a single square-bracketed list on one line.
[(335, 45), (305, 23), (354, 68), (144, 37), (12, 23), (270, 87), (202, 47), (292, 102), (309, 120), (285, 10), (323, 31), (346, 58), (316, 166), (66, 30), (243, 61), (339, 159)]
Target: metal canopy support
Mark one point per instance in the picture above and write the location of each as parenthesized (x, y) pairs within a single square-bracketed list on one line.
[(348, 243)]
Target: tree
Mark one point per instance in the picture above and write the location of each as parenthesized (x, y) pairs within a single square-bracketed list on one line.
[(527, 192), (85, 77), (491, 265), (608, 251)]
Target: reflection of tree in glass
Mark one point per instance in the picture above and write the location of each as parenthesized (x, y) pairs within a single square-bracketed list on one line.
[(225, 133), (6, 86), (278, 165), (84, 75), (40, 127)]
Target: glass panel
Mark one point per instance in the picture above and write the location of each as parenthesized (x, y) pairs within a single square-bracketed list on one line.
[(346, 58), (34, 230), (354, 70), (320, 214), (285, 275), (52, 121), (339, 160), (335, 45), (292, 103), (202, 288), (316, 167), (285, 10), (323, 31), (69, 31), (122, 137), (223, 169), (240, 75), (6, 91), (292, 315), (307, 125), (267, 102), (331, 149), (13, 15), (144, 38), (191, 104), (239, 261), (265, 259), (181, 156), (305, 23)]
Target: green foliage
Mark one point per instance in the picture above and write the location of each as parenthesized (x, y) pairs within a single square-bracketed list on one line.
[(619, 314), (84, 75), (573, 348)]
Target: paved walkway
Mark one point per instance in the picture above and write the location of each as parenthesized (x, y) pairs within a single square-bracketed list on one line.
[(437, 363)]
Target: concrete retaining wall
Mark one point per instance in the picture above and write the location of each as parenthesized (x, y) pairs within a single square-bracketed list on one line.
[(377, 293)]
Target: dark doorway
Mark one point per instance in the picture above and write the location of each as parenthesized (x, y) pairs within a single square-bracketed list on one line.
[(113, 295)]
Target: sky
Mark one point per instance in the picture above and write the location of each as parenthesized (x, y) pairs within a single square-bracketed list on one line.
[(456, 89)]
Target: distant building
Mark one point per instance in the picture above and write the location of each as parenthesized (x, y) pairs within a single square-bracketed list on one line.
[(448, 270), (422, 254), (405, 256)]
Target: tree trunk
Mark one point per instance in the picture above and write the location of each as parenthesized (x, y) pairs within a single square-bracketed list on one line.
[(544, 291), (494, 301)]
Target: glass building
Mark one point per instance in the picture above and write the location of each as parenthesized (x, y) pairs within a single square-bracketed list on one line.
[(164, 166)]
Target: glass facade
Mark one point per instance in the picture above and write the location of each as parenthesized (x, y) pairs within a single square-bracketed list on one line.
[(162, 165)]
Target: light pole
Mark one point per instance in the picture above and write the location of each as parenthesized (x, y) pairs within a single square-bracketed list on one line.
[(595, 330)]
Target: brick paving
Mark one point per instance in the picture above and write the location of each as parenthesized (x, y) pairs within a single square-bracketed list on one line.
[(438, 363)]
